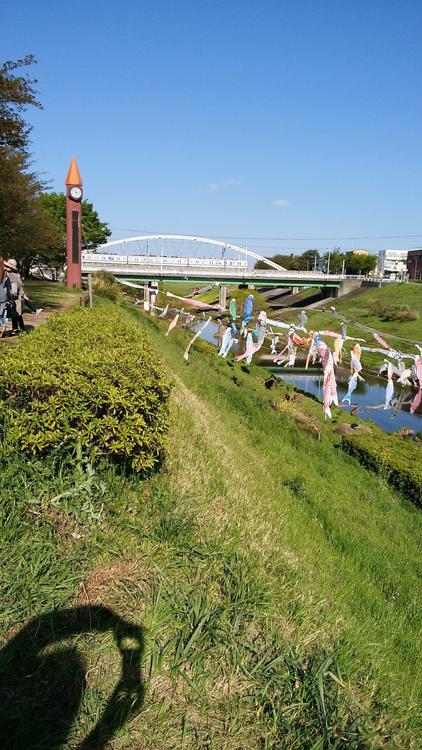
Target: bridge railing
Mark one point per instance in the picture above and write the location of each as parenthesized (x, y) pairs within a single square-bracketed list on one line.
[(218, 272)]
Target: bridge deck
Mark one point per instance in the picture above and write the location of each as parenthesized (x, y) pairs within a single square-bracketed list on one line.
[(229, 276)]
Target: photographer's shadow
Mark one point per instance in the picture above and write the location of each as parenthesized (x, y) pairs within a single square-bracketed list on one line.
[(42, 680)]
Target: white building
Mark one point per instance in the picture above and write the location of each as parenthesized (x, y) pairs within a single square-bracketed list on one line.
[(392, 263)]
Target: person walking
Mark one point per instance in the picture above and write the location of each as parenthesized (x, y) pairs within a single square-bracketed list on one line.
[(303, 319), (28, 304), (4, 301), (16, 296)]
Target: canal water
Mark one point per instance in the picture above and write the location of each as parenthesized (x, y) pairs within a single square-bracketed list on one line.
[(367, 400)]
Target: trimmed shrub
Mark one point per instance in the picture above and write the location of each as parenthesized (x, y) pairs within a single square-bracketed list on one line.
[(398, 461), (88, 377)]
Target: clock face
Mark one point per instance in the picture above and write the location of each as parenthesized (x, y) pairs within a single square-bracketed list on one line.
[(75, 193)]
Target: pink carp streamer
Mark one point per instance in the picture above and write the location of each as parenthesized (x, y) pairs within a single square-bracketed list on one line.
[(381, 341), (194, 302), (418, 398), (330, 385), (333, 334), (338, 346), (253, 348)]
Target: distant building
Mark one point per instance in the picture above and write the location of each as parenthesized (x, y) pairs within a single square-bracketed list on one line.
[(360, 251), (392, 264), (414, 264)]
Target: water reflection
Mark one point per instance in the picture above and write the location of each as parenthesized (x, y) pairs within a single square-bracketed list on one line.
[(389, 405), (386, 402)]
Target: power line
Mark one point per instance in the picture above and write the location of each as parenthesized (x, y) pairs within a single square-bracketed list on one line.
[(287, 239), (333, 239), (123, 229)]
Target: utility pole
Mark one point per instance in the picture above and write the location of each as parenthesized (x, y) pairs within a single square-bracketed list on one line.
[(90, 289), (342, 270), (328, 264)]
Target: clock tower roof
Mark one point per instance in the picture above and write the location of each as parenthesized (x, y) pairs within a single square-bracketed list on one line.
[(73, 176)]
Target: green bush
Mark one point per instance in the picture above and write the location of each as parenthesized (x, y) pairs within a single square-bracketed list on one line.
[(104, 284), (398, 460), (401, 313), (86, 377)]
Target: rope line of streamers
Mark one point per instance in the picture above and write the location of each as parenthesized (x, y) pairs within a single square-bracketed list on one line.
[(247, 333)]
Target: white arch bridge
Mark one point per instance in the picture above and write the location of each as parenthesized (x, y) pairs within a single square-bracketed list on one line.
[(183, 258)]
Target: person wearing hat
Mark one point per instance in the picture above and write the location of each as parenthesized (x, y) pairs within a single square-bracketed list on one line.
[(16, 295)]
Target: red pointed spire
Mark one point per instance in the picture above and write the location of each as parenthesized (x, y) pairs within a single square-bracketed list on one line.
[(73, 176)]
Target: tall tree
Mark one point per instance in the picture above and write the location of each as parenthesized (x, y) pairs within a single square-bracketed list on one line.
[(94, 230), (16, 94), (25, 228), (356, 263), (292, 262)]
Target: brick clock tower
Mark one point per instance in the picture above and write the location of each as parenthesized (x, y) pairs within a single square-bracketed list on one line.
[(73, 225)]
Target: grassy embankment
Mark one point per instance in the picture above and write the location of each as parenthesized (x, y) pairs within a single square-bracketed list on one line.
[(256, 556), (48, 294), (358, 307), (212, 296), (362, 308)]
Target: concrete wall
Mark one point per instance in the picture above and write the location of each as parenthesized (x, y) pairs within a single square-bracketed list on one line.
[(347, 286)]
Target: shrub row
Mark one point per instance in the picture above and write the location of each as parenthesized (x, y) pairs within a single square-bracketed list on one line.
[(88, 377), (398, 460)]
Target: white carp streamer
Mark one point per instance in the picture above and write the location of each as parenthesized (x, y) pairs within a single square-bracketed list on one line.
[(197, 335)]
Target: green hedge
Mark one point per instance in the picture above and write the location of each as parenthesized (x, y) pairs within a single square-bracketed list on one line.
[(397, 459), (86, 376)]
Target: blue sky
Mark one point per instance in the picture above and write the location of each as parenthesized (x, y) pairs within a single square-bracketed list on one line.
[(248, 119)]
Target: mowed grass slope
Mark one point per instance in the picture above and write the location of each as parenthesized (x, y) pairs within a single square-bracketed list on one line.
[(274, 580), (341, 551), (51, 294), (359, 307)]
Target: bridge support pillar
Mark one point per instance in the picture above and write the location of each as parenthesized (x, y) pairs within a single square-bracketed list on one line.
[(223, 297), (153, 291), (146, 298)]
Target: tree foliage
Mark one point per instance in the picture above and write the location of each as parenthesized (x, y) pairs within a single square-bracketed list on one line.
[(16, 93), (32, 222), (94, 231), (354, 263), (360, 263), (26, 230), (292, 262)]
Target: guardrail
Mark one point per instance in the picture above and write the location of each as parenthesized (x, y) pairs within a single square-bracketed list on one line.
[(247, 274)]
